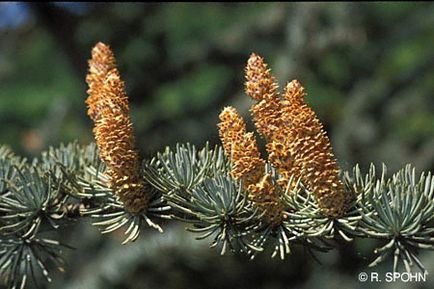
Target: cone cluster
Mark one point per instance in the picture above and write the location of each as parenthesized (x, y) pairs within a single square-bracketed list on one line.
[(297, 144)]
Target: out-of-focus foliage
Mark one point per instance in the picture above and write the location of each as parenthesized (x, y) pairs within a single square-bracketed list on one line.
[(368, 69)]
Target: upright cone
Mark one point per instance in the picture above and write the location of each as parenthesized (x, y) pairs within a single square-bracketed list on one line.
[(248, 166), (113, 130)]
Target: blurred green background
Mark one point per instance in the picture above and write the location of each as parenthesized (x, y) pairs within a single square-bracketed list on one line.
[(368, 69)]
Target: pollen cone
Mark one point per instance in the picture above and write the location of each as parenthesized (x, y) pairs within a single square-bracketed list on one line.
[(311, 152), (113, 130), (247, 165)]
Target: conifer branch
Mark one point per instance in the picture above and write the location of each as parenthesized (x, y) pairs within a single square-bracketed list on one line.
[(242, 202)]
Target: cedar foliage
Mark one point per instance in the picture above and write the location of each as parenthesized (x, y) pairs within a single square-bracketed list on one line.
[(242, 205)]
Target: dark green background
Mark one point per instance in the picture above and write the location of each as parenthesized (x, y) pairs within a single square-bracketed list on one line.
[(368, 69)]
